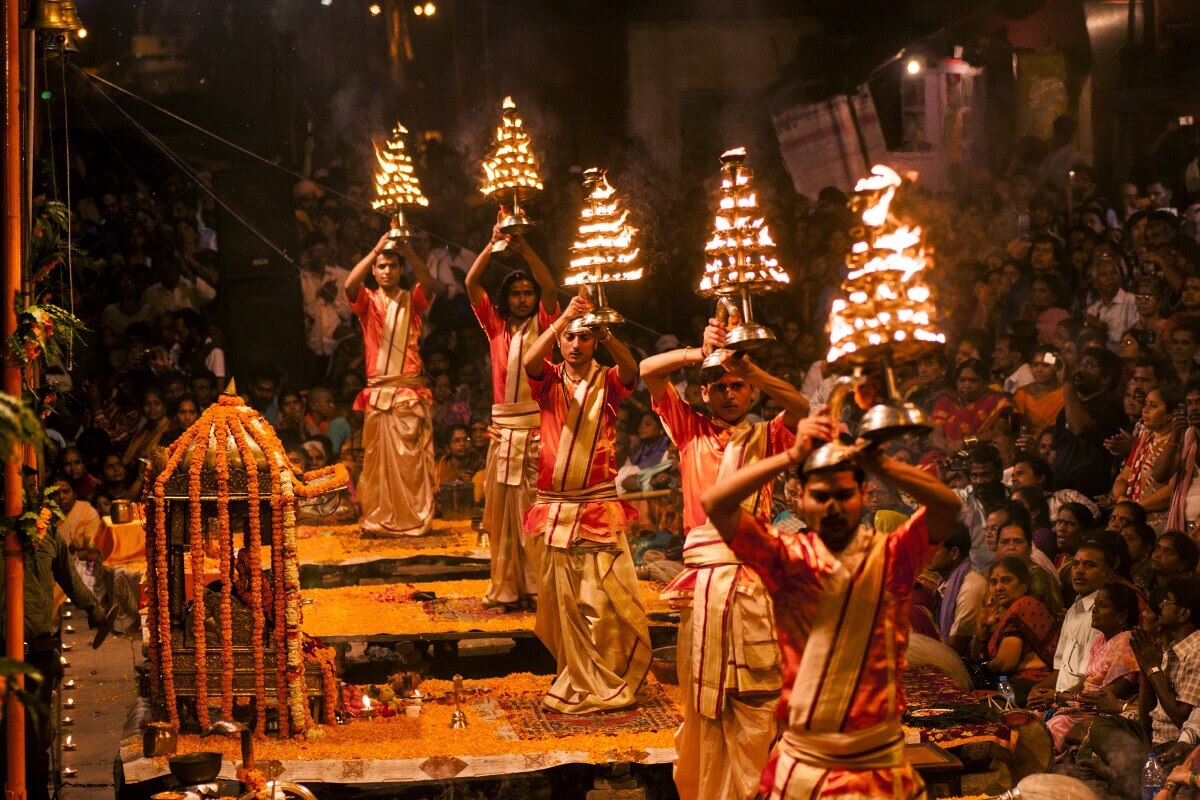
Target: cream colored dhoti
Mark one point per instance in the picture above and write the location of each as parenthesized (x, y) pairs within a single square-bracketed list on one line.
[(396, 485), (515, 556), (722, 758), (590, 616)]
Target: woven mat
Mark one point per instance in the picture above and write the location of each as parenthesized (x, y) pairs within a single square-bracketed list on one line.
[(530, 720)]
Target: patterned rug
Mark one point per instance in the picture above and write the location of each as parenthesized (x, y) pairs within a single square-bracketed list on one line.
[(530, 720)]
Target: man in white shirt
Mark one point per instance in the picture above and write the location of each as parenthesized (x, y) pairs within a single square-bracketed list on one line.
[(1116, 310), (960, 592), (326, 310), (1010, 360), (1094, 566)]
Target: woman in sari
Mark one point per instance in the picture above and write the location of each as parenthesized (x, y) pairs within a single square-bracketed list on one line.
[(1016, 635), (970, 413), (155, 423), (1039, 402), (1110, 681), (1136, 482)]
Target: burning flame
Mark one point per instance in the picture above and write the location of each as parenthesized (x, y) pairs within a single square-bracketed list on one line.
[(511, 165), (886, 300), (741, 250), (603, 250), (366, 703), (396, 184)]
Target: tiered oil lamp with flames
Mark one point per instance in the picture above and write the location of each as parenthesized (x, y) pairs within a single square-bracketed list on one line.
[(510, 171), (603, 251), (396, 186), (740, 261), (886, 312)]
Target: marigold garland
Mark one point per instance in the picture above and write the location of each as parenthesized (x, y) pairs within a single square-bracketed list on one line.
[(254, 522), (196, 546), (231, 420), (224, 551)]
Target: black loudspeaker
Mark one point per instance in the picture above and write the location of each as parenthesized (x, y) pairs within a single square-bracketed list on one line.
[(263, 313)]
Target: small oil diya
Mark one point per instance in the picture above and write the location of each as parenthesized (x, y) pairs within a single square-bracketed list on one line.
[(64, 661), (67, 614), (368, 710), (70, 772), (69, 702), (69, 743), (68, 720), (66, 647), (69, 684), (69, 629)]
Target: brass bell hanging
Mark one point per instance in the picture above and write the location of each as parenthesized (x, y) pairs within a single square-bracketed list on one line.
[(52, 15)]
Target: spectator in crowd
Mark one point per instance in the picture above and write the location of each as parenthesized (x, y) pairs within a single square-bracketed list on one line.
[(327, 317), (970, 414), (1110, 683), (1035, 471), (1091, 414), (1094, 565), (154, 425), (960, 591), (325, 418), (1013, 540), (83, 483), (1171, 689), (1039, 402), (1174, 556), (1016, 634)]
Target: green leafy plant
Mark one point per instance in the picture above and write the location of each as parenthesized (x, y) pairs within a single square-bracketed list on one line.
[(11, 672)]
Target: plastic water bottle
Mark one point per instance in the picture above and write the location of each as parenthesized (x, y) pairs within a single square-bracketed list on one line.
[(1152, 777), (1006, 690)]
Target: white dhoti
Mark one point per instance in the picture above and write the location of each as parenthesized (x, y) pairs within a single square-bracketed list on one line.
[(591, 618), (509, 489), (396, 485), (721, 758)]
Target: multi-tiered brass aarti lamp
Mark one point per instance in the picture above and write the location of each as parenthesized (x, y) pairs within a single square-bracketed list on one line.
[(886, 312), (604, 250), (740, 260), (510, 171), (396, 186)]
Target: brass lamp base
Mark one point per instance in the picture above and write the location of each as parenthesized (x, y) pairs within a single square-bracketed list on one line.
[(884, 422), (400, 233), (828, 456), (515, 224), (601, 315), (748, 336)]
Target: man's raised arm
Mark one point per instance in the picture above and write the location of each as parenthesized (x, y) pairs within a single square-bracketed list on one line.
[(541, 273), (357, 275), (723, 502), (541, 349)]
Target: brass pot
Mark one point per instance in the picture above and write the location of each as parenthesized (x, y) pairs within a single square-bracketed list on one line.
[(159, 739), (122, 512)]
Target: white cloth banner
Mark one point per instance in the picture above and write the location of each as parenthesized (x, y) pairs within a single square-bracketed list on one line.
[(820, 146)]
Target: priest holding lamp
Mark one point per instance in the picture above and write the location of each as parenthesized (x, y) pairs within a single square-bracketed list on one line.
[(590, 612)]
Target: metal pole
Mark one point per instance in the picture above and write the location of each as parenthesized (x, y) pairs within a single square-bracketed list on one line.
[(14, 563), (858, 131)]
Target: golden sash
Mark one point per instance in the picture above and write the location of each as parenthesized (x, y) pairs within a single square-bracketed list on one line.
[(836, 650), (514, 426), (392, 353), (732, 643), (812, 754), (515, 421), (569, 491)]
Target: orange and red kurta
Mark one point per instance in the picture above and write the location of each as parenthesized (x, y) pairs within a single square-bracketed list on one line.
[(391, 345), (734, 647), (577, 466), (843, 629)]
